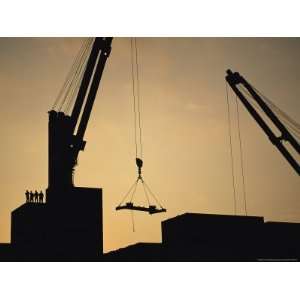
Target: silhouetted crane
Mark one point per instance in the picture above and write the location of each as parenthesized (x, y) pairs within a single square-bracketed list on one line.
[(66, 133), (234, 79)]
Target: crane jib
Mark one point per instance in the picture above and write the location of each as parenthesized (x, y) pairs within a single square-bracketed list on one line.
[(234, 79), (64, 142)]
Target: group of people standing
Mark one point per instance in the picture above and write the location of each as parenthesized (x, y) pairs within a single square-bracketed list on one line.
[(34, 197)]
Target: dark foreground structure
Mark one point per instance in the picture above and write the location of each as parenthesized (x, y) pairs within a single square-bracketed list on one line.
[(69, 228), (207, 237), (40, 233)]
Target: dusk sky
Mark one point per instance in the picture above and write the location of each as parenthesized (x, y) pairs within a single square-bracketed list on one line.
[(185, 128)]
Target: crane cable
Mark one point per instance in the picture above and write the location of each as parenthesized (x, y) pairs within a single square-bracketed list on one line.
[(136, 99), (67, 91), (76, 80), (232, 155), (79, 76), (231, 148), (136, 112), (282, 116), (137, 133), (285, 115), (68, 78), (241, 155)]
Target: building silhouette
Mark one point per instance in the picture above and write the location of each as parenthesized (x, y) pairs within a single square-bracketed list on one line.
[(69, 228), (208, 237), (48, 232)]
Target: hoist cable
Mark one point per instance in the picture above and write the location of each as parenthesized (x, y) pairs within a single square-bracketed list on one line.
[(231, 148), (241, 155), (133, 93), (137, 127), (138, 98)]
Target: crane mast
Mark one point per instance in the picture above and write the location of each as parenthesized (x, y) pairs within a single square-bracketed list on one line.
[(66, 133), (234, 80)]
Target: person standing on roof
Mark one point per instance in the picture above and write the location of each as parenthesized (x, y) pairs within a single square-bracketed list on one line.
[(27, 196), (31, 196), (41, 197), (36, 196)]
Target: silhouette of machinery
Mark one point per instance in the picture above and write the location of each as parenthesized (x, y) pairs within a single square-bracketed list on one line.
[(236, 82), (129, 205), (69, 225), (151, 209)]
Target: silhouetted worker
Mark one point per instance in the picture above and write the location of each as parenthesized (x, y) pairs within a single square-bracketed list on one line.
[(36, 196), (31, 196), (27, 196), (41, 197)]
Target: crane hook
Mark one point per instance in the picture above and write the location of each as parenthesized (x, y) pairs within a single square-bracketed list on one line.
[(139, 164)]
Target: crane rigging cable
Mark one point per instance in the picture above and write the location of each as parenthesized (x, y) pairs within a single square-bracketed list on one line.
[(281, 112), (73, 76), (232, 154), (70, 94), (282, 116), (67, 80), (80, 73), (151, 209), (268, 116), (67, 92), (231, 148), (241, 155)]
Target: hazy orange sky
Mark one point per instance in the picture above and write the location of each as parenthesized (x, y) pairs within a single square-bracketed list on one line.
[(185, 130)]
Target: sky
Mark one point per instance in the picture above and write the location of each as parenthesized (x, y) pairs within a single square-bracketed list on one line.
[(185, 128)]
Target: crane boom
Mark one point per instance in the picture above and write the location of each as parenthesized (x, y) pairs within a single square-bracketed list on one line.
[(84, 83), (105, 47), (234, 79), (64, 142)]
